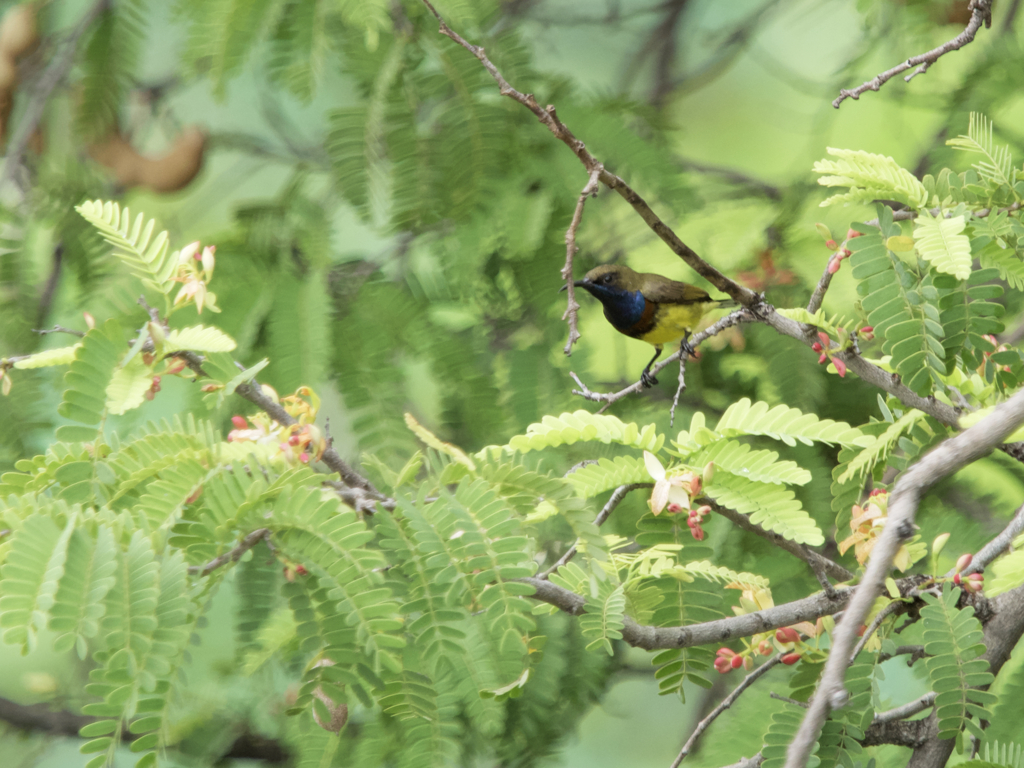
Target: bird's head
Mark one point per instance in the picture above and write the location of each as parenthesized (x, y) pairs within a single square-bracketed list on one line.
[(609, 280)]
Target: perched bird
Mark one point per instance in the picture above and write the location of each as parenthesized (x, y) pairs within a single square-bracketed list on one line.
[(649, 307)]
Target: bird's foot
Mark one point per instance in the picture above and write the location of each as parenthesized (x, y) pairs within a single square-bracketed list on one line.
[(647, 379), (687, 349)]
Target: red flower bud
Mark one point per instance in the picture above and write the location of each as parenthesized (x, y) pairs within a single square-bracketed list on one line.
[(956, 579), (698, 533), (293, 440), (239, 422), (840, 366), (963, 561), (852, 233), (723, 665), (726, 652), (845, 253), (791, 658), (675, 509), (831, 244), (823, 358), (787, 635), (816, 346), (737, 662), (974, 583), (824, 339), (304, 457), (834, 265), (764, 648), (301, 570)]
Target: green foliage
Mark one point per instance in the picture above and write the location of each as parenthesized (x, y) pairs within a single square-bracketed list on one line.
[(780, 733), (570, 428), (869, 177), (952, 638)]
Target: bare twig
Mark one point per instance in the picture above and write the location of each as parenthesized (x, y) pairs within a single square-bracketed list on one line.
[(949, 457), (59, 67), (914, 651), (905, 711), (727, 702), (734, 318), (981, 13), (818, 563), (549, 118), (570, 251), (250, 541), (616, 498), (883, 614), (997, 546), (680, 388), (801, 704), (58, 329), (819, 291)]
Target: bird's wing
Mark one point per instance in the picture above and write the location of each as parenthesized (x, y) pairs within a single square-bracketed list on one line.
[(664, 291)]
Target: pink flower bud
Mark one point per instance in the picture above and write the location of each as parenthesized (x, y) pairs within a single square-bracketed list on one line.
[(974, 583), (823, 358), (748, 663), (764, 648), (304, 457), (787, 635), (831, 244), (239, 422), (737, 662), (825, 340), (852, 233), (791, 658), (722, 665), (726, 652), (816, 346), (845, 253), (834, 265), (963, 561), (840, 366), (956, 579)]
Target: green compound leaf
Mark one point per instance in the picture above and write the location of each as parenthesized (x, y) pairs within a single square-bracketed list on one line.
[(85, 398), (581, 426), (941, 242), (59, 356), (790, 425), (773, 508), (953, 640), (198, 338), (869, 177), (147, 257)]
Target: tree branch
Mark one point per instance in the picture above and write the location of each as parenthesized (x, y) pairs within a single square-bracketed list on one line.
[(570, 251), (997, 546), (947, 458), (981, 13), (232, 556), (549, 118), (616, 498), (727, 702)]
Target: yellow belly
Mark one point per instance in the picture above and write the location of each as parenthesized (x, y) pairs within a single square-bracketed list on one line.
[(672, 322)]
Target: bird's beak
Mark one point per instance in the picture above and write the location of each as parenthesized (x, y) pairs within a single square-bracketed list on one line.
[(578, 284)]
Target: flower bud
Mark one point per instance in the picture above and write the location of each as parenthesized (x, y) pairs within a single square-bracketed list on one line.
[(816, 346), (867, 332), (675, 509), (722, 665), (726, 652), (748, 663), (239, 422), (708, 474), (791, 658), (962, 562), (764, 648), (156, 332), (852, 233), (787, 635), (737, 662), (845, 253), (840, 366), (831, 244), (90, 321), (208, 260), (974, 583), (834, 265), (956, 579), (695, 486), (188, 252)]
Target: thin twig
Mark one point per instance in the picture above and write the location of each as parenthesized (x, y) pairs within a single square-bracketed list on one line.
[(549, 118), (882, 615), (905, 711), (914, 651), (59, 67), (947, 458), (734, 318), (997, 546), (680, 388), (819, 291), (616, 498), (729, 700), (802, 704), (981, 13), (250, 541), (571, 248), (58, 329)]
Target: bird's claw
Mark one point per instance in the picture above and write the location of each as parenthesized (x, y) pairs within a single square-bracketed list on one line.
[(647, 379), (687, 349)]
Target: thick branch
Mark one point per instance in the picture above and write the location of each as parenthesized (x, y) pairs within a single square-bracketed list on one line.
[(981, 14), (950, 456)]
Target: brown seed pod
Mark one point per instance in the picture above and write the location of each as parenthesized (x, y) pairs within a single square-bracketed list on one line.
[(165, 174), (18, 31)]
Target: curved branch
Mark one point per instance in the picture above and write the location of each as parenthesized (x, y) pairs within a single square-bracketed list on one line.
[(947, 458), (981, 13)]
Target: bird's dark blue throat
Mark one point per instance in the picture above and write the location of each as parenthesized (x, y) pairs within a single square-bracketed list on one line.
[(623, 309)]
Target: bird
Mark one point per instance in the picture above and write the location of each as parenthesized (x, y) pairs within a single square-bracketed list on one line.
[(649, 307)]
